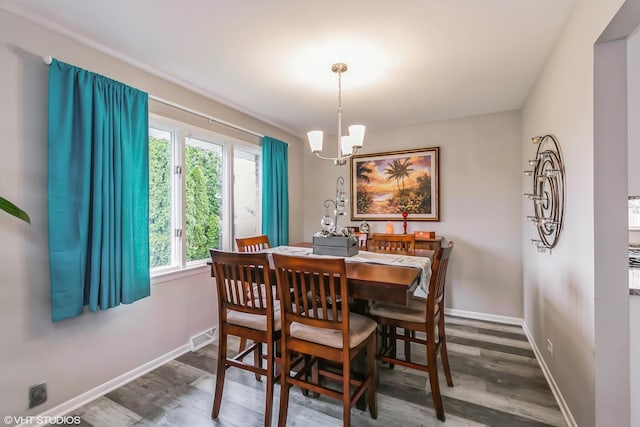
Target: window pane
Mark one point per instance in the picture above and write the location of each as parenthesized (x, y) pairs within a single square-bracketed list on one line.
[(246, 194), (160, 178), (203, 198)]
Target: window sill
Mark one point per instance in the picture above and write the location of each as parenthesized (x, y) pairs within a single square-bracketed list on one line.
[(167, 276)]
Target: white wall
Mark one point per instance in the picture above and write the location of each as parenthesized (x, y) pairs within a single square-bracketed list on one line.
[(76, 355), (480, 195), (559, 289)]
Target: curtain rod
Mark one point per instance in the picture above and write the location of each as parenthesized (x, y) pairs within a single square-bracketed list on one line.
[(48, 59)]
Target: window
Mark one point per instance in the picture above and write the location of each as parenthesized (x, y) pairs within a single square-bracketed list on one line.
[(634, 213), (246, 193), (198, 181)]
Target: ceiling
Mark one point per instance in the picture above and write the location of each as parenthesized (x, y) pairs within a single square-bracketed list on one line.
[(410, 61)]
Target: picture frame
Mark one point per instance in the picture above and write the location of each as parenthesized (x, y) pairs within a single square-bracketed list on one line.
[(384, 185)]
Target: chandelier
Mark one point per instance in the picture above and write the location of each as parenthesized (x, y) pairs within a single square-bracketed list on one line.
[(347, 145)]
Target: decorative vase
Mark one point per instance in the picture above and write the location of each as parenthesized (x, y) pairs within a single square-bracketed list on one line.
[(405, 214)]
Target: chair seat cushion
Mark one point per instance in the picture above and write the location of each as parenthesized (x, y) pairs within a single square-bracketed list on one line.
[(415, 311), (360, 327), (255, 321)]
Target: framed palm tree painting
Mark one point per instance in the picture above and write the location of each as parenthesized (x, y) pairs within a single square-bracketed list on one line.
[(386, 185)]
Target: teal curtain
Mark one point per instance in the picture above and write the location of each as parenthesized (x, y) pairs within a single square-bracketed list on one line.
[(275, 191), (98, 192)]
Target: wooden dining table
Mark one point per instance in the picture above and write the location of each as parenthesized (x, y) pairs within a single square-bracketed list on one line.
[(370, 281)]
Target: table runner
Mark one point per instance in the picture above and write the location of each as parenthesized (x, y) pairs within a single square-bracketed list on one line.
[(423, 263)]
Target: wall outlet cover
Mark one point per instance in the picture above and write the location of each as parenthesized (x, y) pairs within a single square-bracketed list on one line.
[(37, 394)]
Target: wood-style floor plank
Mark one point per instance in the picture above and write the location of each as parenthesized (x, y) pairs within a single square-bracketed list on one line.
[(497, 382)]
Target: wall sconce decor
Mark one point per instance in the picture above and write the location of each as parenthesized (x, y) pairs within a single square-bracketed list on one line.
[(548, 193)]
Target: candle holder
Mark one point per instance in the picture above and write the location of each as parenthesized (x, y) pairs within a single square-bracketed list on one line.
[(548, 192), (405, 214)]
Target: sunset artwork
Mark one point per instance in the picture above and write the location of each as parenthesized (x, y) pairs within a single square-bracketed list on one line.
[(386, 185)]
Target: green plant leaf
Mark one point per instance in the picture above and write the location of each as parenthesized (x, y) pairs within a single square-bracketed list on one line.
[(12, 209)]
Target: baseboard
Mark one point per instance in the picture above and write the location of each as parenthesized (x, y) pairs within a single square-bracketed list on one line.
[(86, 397), (484, 316), (568, 416)]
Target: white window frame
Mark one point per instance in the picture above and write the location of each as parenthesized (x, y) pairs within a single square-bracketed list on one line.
[(180, 131)]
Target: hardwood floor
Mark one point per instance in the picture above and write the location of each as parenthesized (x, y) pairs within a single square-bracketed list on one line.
[(497, 382)]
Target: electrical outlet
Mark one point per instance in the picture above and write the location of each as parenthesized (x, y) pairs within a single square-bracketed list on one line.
[(549, 346), (37, 394)]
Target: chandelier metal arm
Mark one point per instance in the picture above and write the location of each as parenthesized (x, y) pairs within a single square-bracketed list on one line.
[(338, 161)]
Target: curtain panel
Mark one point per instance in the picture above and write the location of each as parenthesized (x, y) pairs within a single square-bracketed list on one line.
[(275, 191), (97, 191)]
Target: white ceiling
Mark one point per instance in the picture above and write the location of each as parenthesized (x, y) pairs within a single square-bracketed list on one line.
[(410, 61)]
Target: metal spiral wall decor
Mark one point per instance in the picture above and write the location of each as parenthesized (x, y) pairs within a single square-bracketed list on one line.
[(548, 192)]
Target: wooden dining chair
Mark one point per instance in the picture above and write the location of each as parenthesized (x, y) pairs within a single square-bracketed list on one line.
[(402, 244), (322, 331), (420, 316), (253, 244), (246, 311)]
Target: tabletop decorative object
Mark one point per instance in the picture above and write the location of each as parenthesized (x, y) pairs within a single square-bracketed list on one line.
[(548, 192), (405, 214), (335, 239)]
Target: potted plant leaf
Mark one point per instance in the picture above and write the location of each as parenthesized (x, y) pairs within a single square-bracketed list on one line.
[(12, 209)]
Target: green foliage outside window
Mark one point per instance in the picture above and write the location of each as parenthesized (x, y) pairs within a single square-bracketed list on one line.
[(159, 202), (202, 202)]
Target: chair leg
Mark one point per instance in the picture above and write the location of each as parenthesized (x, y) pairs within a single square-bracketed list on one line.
[(372, 396), (346, 393), (315, 376), (257, 358), (269, 391), (392, 344), (432, 358), (284, 388), (444, 356), (407, 345), (220, 372)]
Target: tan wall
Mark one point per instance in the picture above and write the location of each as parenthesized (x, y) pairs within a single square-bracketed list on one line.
[(479, 200)]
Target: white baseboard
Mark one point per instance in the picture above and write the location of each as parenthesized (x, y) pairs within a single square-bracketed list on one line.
[(566, 412), (101, 390), (484, 316)]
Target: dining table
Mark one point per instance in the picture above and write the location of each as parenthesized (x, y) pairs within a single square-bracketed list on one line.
[(376, 276)]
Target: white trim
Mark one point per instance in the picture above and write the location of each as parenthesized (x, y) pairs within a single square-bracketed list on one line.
[(566, 412), (86, 397), (484, 316)]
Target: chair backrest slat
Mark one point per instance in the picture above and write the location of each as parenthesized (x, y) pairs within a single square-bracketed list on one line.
[(316, 291), (438, 279), (253, 244), (403, 244), (243, 281)]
